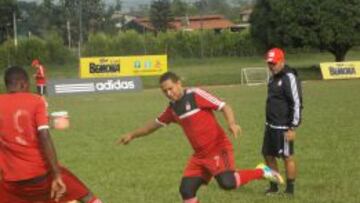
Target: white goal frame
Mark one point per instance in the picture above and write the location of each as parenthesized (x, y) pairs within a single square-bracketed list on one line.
[(245, 79)]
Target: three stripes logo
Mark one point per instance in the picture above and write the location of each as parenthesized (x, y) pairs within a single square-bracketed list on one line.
[(74, 88)]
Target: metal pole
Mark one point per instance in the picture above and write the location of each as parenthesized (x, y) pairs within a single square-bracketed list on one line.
[(68, 32), (15, 29), (202, 3), (80, 27)]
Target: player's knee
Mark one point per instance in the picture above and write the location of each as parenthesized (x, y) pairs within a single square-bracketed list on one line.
[(226, 180), (227, 184), (189, 187), (186, 192)]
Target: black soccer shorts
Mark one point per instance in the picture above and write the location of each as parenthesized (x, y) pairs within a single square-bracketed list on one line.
[(275, 144)]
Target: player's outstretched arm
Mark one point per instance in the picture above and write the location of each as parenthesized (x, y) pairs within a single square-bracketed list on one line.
[(58, 187), (147, 129), (230, 119)]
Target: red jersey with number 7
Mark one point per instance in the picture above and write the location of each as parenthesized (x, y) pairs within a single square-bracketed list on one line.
[(194, 113), (21, 116)]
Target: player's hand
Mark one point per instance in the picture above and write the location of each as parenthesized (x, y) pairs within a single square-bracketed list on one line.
[(290, 135), (235, 130), (126, 139), (58, 188)]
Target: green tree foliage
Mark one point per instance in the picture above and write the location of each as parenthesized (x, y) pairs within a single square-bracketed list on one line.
[(93, 17), (179, 8), (7, 8), (175, 44), (118, 5), (219, 7), (56, 51), (49, 50), (332, 25), (208, 7), (160, 15)]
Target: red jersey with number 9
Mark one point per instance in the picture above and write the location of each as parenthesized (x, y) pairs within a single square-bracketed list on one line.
[(21, 116)]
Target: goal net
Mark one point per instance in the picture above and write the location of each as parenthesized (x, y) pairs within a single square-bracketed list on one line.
[(254, 75)]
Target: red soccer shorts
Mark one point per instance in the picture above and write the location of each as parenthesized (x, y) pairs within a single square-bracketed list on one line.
[(39, 192), (212, 164)]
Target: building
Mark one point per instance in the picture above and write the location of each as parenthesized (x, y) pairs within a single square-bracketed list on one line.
[(206, 22), (121, 19), (245, 15)]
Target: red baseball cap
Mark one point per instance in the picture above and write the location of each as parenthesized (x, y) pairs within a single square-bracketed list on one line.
[(35, 62), (275, 55)]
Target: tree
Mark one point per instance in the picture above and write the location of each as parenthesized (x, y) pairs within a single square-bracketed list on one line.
[(179, 8), (243, 2), (332, 25), (7, 8), (118, 5), (160, 15), (93, 16), (218, 7)]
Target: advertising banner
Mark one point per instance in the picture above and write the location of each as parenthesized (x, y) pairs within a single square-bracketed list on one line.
[(79, 86), (340, 70), (103, 67)]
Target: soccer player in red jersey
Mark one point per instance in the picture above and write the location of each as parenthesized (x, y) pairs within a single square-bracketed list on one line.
[(39, 76), (29, 168), (192, 109)]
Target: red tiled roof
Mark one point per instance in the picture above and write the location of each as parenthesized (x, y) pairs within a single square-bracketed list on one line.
[(194, 22), (144, 22)]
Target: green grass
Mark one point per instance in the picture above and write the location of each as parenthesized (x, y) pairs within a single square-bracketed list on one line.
[(215, 71), (149, 169)]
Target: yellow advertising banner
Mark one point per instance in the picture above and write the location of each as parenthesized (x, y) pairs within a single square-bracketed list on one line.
[(105, 67), (340, 70)]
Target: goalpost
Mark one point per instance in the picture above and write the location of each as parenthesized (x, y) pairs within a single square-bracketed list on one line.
[(254, 75)]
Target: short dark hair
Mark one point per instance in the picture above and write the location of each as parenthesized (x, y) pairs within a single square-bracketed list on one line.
[(169, 76), (15, 74)]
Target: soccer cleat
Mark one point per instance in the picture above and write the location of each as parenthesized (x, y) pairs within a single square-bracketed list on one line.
[(288, 193), (270, 174), (271, 191)]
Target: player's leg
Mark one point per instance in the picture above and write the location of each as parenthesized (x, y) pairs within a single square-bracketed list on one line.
[(222, 166), (272, 163), (6, 196), (194, 176), (38, 89), (269, 151), (43, 90), (188, 188), (90, 198), (76, 190), (290, 167), (229, 180)]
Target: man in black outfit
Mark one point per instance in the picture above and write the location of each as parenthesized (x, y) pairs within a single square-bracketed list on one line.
[(283, 116)]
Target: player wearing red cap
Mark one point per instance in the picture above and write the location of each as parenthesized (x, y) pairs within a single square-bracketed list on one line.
[(29, 169), (39, 76), (283, 115), (192, 109)]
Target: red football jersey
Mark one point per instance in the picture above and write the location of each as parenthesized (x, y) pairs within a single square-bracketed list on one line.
[(21, 116), (40, 75), (194, 113)]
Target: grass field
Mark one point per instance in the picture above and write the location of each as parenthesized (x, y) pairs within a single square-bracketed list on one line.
[(215, 71), (149, 169)]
